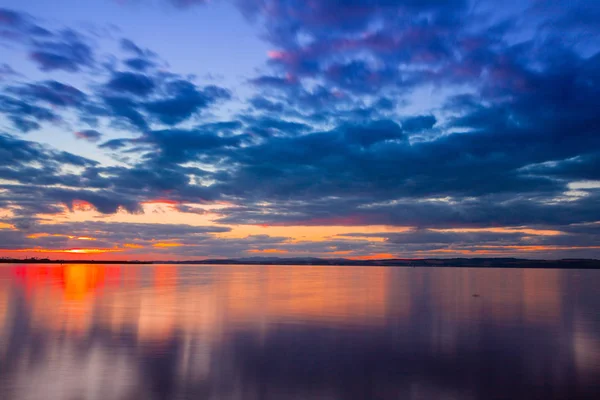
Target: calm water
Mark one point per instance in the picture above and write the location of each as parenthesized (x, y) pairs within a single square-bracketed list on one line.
[(195, 332)]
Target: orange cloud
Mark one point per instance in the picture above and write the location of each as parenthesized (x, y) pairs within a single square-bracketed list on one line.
[(82, 205), (308, 233), (133, 246), (42, 235), (4, 225), (163, 245), (161, 201)]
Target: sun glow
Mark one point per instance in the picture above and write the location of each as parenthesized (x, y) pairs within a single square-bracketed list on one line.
[(166, 245), (66, 251)]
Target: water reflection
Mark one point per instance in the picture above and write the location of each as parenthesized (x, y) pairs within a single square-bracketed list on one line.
[(179, 332)]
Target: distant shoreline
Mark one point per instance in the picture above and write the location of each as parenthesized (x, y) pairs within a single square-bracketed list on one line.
[(449, 263)]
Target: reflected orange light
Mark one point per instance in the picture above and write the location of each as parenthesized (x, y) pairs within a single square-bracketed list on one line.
[(4, 225), (76, 280), (270, 251), (163, 245)]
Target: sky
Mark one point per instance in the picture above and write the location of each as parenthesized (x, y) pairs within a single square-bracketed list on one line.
[(363, 129)]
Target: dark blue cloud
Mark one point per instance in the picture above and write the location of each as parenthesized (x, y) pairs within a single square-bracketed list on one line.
[(30, 163), (181, 146), (358, 76), (418, 123), (274, 81), (124, 111), (142, 60), (183, 100), (132, 83), (267, 127), (139, 64), (66, 50), (19, 27), (24, 125), (187, 3), (115, 144), (180, 4), (50, 92), (264, 104), (24, 115)]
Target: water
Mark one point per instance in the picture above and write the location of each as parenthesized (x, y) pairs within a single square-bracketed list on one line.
[(248, 332)]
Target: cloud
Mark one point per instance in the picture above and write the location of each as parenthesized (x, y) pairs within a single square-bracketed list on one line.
[(183, 99), (89, 134), (60, 49), (139, 64), (131, 83), (180, 146), (179, 4), (66, 50), (7, 71), (418, 123), (50, 92), (187, 3), (25, 116), (429, 114)]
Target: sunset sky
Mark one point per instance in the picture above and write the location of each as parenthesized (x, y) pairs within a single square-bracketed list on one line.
[(193, 129)]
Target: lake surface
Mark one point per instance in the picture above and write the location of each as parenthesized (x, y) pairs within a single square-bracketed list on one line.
[(79, 332)]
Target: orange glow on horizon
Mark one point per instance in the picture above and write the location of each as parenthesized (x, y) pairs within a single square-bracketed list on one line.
[(72, 251), (268, 251), (378, 256), (90, 251), (341, 252)]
